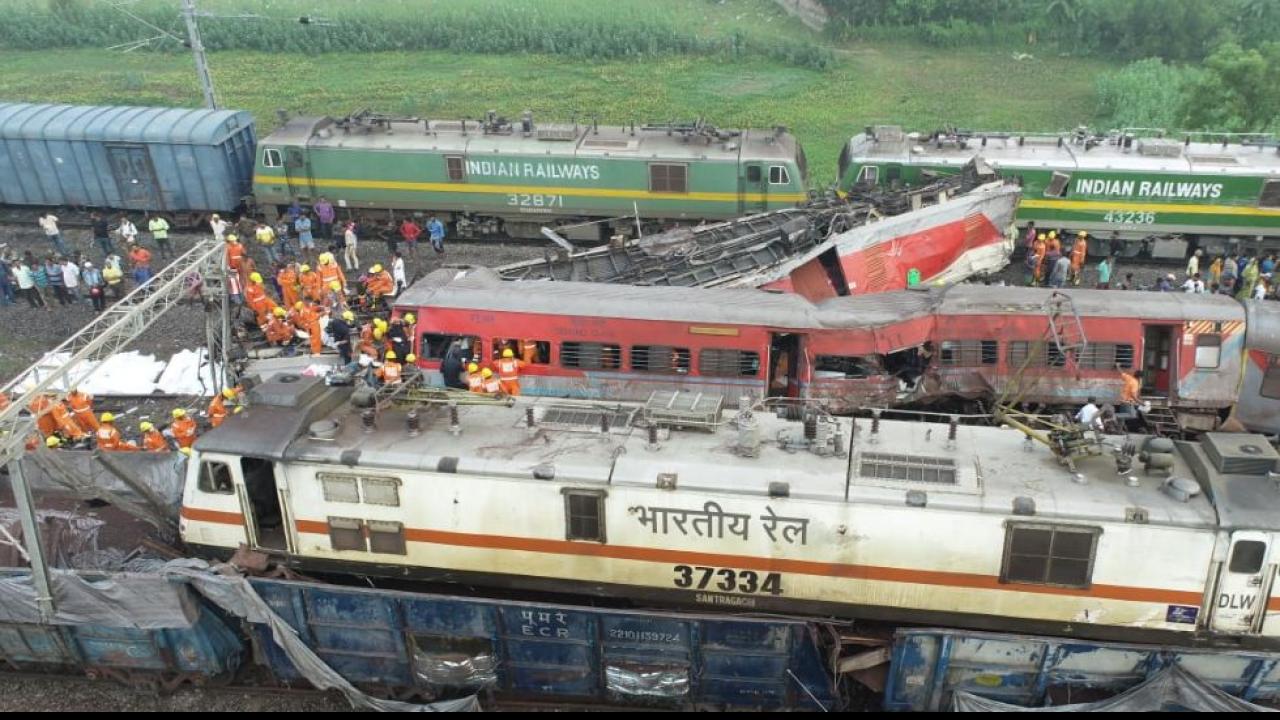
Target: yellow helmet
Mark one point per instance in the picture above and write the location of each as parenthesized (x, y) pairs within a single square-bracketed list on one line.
[(185, 451), (179, 413), (410, 358), (473, 367), (391, 355), (278, 312), (1082, 233), (297, 305), (348, 316), (326, 258), (335, 286), (1041, 236), (108, 417), (146, 426), (410, 318), (52, 441), (231, 237), (305, 268), (486, 373), (1053, 233), (255, 277), (506, 353), (377, 333), (377, 268), (380, 323), (228, 393)]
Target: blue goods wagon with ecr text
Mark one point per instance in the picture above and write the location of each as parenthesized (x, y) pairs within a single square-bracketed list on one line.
[(172, 160)]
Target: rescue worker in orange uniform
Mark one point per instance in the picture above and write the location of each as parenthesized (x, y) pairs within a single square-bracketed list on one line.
[(256, 297), (1038, 248), (218, 406), (278, 330), (330, 272), (290, 290), (391, 371), (4, 401), (475, 381), (379, 283), (373, 346), (109, 437), (42, 408), (306, 318), (1079, 252), (509, 373), (529, 351), (66, 424), (1130, 393), (311, 284), (235, 258), (183, 428), (81, 405), (152, 440), (491, 386)]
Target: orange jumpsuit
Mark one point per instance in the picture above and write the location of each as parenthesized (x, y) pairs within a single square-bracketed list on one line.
[(380, 284), (509, 376), (184, 431), (390, 372), (289, 289), (331, 272), (217, 410), (278, 331), (308, 321), (492, 385), (109, 439), (1038, 248), (66, 424), (1079, 252), (82, 408), (312, 286), (42, 407), (529, 351), (140, 257), (1132, 388), (256, 297), (475, 382), (235, 254), (153, 441)]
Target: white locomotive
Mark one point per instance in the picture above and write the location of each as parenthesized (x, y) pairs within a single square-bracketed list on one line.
[(899, 521)]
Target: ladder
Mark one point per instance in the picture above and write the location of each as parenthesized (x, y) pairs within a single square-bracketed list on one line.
[(1163, 421)]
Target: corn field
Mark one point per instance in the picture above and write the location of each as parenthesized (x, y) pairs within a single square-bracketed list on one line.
[(580, 29)]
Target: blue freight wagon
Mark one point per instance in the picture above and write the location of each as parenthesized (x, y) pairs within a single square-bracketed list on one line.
[(171, 160)]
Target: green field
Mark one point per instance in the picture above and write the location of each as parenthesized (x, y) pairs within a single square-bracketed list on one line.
[(921, 88)]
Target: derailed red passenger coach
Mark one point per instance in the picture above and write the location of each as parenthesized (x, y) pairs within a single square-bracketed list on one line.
[(895, 349)]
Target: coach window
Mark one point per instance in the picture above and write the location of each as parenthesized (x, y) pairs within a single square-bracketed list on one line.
[(659, 359), (346, 534), (968, 353), (532, 352), (846, 367), (668, 178), (457, 168), (1058, 185), (386, 537), (1208, 351), (271, 158), (778, 175), (339, 488), (584, 515), (590, 356), (435, 345), (1270, 197), (215, 477), (1041, 554), (728, 363)]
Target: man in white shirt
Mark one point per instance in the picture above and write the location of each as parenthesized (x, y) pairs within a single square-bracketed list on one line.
[(398, 273), (71, 276), (1194, 284), (49, 224), (1088, 413), (219, 227), (1260, 290)]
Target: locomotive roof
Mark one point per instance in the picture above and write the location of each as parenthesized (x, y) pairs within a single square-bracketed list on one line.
[(582, 140), (1199, 158), (994, 468), (483, 289)]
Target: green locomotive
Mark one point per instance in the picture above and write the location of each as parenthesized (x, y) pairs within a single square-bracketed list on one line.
[(491, 176), (1144, 194)]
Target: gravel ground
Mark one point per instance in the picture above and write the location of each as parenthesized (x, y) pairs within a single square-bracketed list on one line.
[(24, 694), (27, 333)]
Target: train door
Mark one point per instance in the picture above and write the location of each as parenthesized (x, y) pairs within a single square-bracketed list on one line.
[(1158, 360), (298, 172), (755, 189), (1244, 584), (263, 511), (784, 365), (135, 178)]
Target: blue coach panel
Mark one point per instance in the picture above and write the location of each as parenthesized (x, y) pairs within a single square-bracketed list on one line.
[(130, 158)]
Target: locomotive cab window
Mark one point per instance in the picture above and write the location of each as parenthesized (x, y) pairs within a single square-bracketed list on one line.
[(668, 178), (659, 359), (271, 158), (584, 515), (1247, 557), (1270, 197), (778, 175), (868, 175), (215, 477), (435, 345), (753, 173), (1208, 351), (1041, 554), (457, 168), (1058, 185)]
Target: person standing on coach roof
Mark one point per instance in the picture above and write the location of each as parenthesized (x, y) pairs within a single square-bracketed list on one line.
[(49, 224)]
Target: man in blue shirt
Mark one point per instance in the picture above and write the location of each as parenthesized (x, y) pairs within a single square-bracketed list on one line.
[(435, 229)]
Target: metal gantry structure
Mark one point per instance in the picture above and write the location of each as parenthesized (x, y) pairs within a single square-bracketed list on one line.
[(201, 270)]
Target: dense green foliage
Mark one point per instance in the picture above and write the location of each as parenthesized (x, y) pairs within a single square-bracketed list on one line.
[(581, 29), (1144, 94)]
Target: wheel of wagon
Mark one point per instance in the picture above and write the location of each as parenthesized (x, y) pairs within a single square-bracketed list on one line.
[(92, 674)]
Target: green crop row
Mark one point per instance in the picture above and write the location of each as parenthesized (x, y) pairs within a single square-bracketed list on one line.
[(580, 29)]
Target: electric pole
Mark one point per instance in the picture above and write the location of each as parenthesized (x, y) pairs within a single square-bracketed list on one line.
[(197, 49)]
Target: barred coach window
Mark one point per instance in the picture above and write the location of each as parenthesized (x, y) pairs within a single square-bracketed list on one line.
[(590, 356), (728, 363), (1042, 554)]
